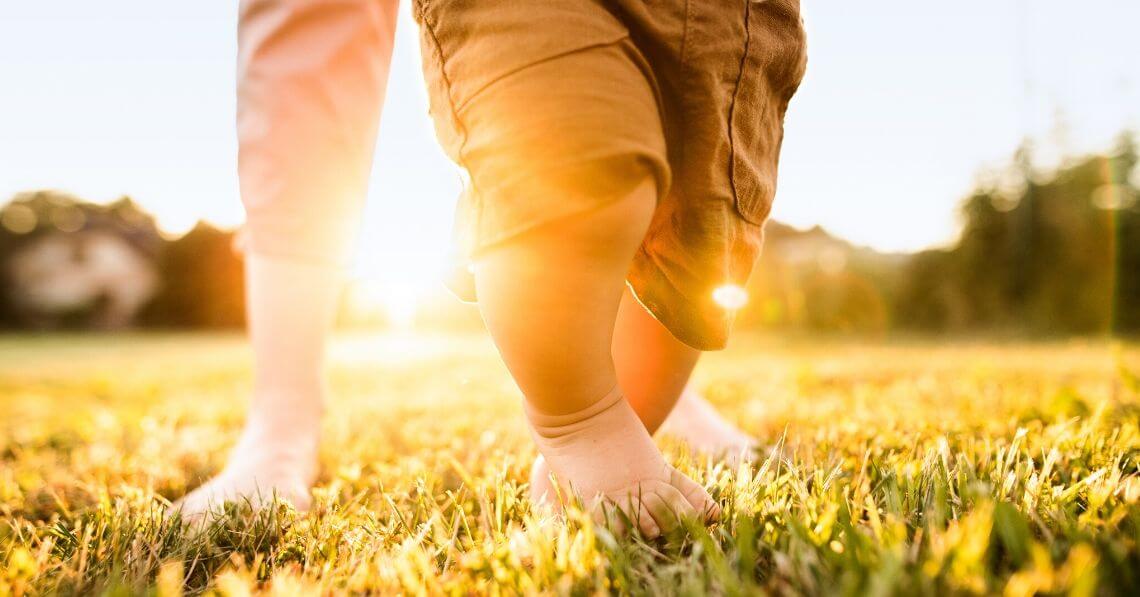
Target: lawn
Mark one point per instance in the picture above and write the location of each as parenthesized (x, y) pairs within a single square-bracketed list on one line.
[(963, 468)]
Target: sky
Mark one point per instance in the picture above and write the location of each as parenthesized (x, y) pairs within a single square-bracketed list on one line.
[(904, 103)]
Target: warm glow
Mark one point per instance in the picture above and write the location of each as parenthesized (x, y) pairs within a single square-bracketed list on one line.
[(391, 280), (730, 296), (396, 303)]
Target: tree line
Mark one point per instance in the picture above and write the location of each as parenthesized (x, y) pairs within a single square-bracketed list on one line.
[(1041, 252)]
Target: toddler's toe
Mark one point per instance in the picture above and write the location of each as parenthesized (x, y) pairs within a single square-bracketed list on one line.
[(696, 495), (668, 506)]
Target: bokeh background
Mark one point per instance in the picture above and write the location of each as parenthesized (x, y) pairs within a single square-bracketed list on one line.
[(963, 168)]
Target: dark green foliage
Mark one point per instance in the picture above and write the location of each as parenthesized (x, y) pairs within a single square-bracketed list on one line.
[(1040, 253), (202, 282), (889, 469), (1058, 254)]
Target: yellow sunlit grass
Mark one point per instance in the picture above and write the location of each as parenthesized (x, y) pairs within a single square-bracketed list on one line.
[(910, 469)]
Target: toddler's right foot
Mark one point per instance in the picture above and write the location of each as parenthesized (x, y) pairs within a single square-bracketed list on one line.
[(698, 423), (604, 455)]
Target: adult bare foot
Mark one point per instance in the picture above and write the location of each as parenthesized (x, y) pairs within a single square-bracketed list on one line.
[(270, 460), (604, 455)]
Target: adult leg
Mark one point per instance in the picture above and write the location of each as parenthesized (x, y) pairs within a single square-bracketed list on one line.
[(291, 307), (311, 82)]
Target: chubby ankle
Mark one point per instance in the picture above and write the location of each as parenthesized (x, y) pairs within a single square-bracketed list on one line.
[(551, 426)]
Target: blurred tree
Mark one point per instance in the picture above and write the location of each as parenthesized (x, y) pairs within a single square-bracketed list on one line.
[(65, 263), (1047, 254), (1054, 252), (202, 282)]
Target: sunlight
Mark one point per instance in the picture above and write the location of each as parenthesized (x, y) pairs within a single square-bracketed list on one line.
[(396, 303), (401, 303), (730, 297), (390, 278)]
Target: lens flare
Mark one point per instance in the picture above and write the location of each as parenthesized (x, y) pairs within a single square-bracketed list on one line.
[(730, 297)]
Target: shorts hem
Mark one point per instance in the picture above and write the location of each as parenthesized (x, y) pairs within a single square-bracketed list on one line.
[(653, 290), (461, 281)]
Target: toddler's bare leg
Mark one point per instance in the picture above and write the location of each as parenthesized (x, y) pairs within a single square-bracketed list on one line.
[(311, 80), (550, 299), (652, 366), (653, 369)]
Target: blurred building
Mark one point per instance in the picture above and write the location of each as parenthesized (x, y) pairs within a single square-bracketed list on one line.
[(65, 263)]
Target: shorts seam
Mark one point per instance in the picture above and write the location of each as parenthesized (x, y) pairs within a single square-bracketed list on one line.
[(461, 151), (685, 70), (732, 113), (650, 284)]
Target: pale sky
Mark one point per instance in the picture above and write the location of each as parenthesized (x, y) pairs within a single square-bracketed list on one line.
[(903, 103)]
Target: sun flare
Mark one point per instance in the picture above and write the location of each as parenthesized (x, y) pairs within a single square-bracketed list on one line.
[(396, 304), (730, 297)]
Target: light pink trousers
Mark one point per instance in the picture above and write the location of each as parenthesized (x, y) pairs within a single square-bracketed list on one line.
[(311, 82)]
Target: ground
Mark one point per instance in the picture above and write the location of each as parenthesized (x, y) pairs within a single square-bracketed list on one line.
[(900, 467)]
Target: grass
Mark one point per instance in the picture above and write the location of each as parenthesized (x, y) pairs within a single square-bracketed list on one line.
[(969, 468)]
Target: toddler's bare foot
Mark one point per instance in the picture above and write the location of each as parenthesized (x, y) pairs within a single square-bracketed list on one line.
[(693, 420), (542, 492), (270, 460), (604, 455), (697, 422)]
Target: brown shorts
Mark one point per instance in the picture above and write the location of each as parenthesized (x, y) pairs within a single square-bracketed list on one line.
[(555, 107)]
